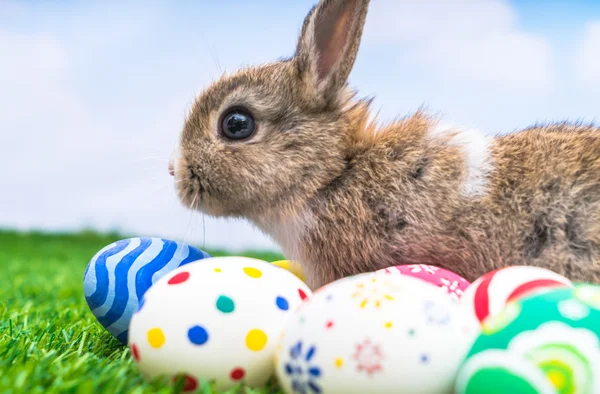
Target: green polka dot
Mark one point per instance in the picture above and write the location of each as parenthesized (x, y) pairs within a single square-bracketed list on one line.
[(225, 304)]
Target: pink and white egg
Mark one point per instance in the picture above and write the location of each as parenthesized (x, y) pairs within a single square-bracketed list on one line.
[(449, 281), (217, 319)]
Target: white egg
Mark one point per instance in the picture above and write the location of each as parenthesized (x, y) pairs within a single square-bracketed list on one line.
[(375, 333), (217, 319)]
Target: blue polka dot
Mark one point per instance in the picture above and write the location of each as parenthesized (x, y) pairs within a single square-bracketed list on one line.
[(198, 335), (282, 303)]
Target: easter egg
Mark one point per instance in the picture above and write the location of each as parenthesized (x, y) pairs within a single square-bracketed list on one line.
[(373, 333), (291, 266), (488, 295), (117, 277), (544, 343), (452, 283), (218, 319)]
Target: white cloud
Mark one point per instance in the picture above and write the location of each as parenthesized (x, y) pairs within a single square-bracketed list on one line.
[(475, 40), (588, 57)]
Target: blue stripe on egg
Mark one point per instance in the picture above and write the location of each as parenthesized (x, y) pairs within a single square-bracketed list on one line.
[(123, 336), (101, 291), (193, 255), (116, 288), (121, 290), (143, 278)]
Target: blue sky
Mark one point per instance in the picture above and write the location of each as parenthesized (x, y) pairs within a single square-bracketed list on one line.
[(94, 93)]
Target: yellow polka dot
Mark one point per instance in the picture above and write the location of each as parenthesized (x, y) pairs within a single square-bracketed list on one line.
[(388, 324), (256, 340), (156, 338), (252, 272), (217, 269), (339, 362)]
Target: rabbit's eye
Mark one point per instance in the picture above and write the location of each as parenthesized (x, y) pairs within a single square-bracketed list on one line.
[(237, 125)]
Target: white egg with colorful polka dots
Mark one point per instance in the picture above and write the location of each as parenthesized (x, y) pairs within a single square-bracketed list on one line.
[(374, 333), (217, 319)]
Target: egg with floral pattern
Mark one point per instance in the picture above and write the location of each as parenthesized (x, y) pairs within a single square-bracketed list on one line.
[(451, 282), (374, 333), (547, 343), (218, 320)]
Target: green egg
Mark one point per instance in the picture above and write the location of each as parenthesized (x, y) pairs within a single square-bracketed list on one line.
[(545, 343)]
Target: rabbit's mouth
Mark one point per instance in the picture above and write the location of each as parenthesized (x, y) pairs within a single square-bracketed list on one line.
[(189, 185), (195, 178), (193, 190), (192, 186)]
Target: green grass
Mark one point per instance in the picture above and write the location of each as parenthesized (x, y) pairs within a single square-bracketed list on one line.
[(49, 340)]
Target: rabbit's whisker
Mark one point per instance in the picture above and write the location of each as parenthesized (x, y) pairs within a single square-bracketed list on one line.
[(191, 217), (203, 231)]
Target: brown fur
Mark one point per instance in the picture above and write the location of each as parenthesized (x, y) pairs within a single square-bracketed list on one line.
[(343, 196)]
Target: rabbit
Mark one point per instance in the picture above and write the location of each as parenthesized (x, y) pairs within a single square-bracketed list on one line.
[(289, 147)]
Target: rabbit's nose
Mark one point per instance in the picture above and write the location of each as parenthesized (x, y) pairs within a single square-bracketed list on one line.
[(171, 168), (174, 157)]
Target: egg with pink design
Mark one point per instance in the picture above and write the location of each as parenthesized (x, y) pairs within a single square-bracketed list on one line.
[(451, 282)]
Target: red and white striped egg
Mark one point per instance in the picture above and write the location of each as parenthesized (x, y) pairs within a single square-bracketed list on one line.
[(449, 281), (489, 294)]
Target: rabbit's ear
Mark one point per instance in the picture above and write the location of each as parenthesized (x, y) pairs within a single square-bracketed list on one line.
[(329, 43)]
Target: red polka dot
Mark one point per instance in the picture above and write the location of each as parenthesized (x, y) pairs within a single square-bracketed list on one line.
[(329, 324), (237, 374), (302, 294), (179, 278), (135, 352), (190, 384)]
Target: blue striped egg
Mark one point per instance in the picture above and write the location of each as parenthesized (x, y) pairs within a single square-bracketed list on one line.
[(118, 276)]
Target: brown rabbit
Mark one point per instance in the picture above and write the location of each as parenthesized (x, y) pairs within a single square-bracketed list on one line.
[(287, 146)]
